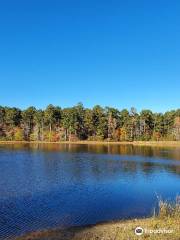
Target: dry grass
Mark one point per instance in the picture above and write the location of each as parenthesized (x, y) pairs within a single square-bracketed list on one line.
[(136, 143), (169, 209), (113, 231), (167, 223)]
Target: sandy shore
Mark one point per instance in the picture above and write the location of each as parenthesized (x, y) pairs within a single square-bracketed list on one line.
[(135, 143), (123, 230)]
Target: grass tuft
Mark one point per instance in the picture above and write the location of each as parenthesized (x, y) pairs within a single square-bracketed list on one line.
[(169, 209)]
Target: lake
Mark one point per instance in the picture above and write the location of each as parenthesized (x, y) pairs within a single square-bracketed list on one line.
[(45, 186)]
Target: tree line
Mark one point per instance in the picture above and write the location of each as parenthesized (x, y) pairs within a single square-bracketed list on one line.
[(79, 123)]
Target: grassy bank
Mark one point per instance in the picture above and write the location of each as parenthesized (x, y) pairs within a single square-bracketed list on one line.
[(164, 226), (135, 143)]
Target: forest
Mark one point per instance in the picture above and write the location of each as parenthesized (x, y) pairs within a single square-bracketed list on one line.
[(55, 124)]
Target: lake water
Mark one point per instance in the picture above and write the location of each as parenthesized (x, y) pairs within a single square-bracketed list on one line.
[(59, 185)]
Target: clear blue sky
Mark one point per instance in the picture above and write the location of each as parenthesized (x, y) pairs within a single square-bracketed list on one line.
[(116, 53)]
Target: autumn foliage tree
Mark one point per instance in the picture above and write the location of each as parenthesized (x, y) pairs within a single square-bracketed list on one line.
[(79, 123)]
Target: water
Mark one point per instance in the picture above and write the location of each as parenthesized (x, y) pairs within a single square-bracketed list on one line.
[(44, 186)]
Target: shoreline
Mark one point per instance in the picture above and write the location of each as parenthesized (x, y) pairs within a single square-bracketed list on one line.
[(85, 142), (118, 230)]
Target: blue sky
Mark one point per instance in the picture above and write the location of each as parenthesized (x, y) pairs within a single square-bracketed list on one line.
[(116, 53)]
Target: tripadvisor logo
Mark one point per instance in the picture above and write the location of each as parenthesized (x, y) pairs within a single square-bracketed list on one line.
[(139, 231)]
